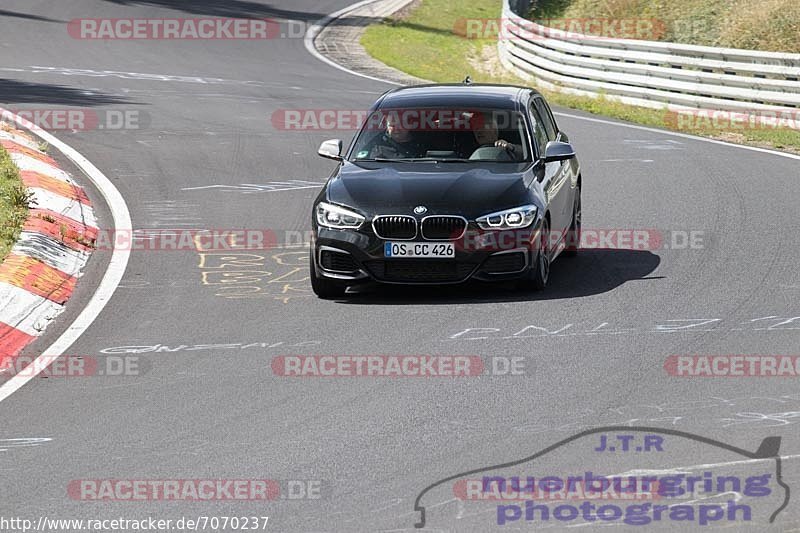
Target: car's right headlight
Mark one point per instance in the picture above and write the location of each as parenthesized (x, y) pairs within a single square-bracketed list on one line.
[(518, 217), (333, 216)]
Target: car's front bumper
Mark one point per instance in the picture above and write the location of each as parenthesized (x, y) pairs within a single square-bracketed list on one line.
[(356, 257)]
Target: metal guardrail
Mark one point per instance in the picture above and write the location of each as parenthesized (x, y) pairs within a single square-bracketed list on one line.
[(649, 73)]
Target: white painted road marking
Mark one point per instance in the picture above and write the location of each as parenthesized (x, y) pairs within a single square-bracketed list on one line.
[(317, 27), (145, 76), (250, 188), (6, 444), (114, 271), (677, 134)]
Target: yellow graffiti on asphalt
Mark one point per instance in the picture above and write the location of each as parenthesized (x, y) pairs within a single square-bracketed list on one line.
[(280, 274)]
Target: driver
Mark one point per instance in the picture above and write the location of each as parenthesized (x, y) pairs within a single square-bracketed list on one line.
[(397, 142), (487, 135)]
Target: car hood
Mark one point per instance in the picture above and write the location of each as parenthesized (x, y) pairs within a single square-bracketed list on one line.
[(398, 189)]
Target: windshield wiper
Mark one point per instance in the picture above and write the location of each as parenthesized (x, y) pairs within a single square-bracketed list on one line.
[(415, 159), (497, 161), (420, 160)]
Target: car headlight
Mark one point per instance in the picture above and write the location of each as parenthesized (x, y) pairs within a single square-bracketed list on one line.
[(333, 216), (519, 217)]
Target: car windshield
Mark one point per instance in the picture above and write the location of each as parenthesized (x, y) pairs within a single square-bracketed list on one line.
[(443, 135)]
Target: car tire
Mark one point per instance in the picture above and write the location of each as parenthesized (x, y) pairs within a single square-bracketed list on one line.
[(574, 234), (324, 288), (540, 272)]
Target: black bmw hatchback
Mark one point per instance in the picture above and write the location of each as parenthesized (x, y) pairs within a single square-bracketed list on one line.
[(447, 183)]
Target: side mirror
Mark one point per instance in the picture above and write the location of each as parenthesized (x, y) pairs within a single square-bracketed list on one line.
[(331, 149), (558, 151)]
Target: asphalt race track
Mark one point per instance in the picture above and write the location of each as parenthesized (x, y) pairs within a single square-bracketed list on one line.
[(593, 345)]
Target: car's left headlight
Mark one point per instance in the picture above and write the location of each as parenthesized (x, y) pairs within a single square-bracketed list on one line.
[(518, 217), (333, 216)]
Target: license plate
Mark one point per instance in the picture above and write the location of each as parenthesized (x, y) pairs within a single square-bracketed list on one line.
[(419, 249)]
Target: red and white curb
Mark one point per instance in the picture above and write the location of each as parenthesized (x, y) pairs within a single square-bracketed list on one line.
[(40, 273), (115, 269)]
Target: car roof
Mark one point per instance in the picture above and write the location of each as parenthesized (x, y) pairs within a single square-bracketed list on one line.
[(475, 95)]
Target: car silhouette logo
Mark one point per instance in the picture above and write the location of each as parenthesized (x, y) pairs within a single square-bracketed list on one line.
[(768, 449), (420, 209)]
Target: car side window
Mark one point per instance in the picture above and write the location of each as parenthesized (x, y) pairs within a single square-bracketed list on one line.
[(547, 117), (539, 132)]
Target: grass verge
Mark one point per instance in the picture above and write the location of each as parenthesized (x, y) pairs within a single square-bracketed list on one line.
[(14, 202), (421, 42), (770, 25)]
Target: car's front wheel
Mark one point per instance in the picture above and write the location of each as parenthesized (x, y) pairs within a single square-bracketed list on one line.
[(540, 273), (324, 288)]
